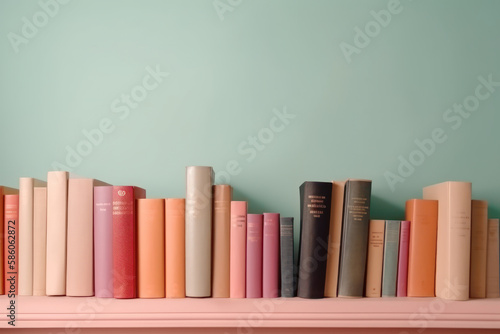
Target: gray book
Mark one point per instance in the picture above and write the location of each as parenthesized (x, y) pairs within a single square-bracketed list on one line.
[(286, 254), (391, 252)]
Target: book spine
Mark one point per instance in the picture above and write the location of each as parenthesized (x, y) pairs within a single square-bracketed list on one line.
[(315, 207), (237, 255), (354, 245), (199, 182), (390, 266), (2, 245), (222, 224), (254, 256), (403, 259), (151, 248), (103, 241), (57, 204), (39, 240), (375, 258), (175, 269), (11, 244), (271, 255), (492, 269), (286, 257), (478, 249), (26, 236)]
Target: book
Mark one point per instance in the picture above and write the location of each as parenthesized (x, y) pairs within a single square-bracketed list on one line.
[(125, 240), (199, 181), (492, 267), (3, 191), (39, 240), (404, 236), (57, 213), (271, 255), (11, 244), (391, 250), (255, 223), (423, 215), (315, 208), (237, 253), (478, 248), (103, 241), (222, 226), (375, 258), (453, 238), (354, 243), (287, 266), (80, 237), (151, 248), (26, 185), (175, 270)]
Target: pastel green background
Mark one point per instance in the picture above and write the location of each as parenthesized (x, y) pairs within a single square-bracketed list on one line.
[(227, 76)]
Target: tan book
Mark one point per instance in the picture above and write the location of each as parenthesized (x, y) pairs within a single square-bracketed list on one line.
[(221, 227), (375, 258), (492, 266), (478, 248), (453, 238), (334, 238), (39, 240)]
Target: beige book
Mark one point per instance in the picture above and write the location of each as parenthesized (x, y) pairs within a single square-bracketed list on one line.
[(334, 238), (221, 227), (26, 185), (39, 239), (453, 238), (492, 266), (478, 247), (374, 263)]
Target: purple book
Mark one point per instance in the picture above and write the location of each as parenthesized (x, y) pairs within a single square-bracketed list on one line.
[(271, 255), (103, 241), (254, 256), (404, 238)]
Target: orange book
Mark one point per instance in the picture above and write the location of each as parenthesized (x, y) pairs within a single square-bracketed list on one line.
[(151, 248), (11, 235), (423, 215), (221, 225), (3, 191), (492, 267), (478, 248), (175, 269), (375, 258)]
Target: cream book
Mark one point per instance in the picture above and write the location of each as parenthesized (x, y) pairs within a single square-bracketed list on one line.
[(39, 240)]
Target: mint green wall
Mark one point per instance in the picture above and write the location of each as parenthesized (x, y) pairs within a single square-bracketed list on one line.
[(230, 70)]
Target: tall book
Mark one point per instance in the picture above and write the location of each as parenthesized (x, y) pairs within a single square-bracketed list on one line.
[(222, 226), (80, 235), (175, 270), (237, 253), (404, 240), (57, 213), (315, 209), (478, 248), (103, 241), (423, 215), (334, 239), (453, 238), (199, 181), (286, 258), (271, 255), (492, 267), (3, 191), (11, 244), (125, 240), (39, 240), (354, 244), (151, 248), (254, 256), (26, 185), (391, 249), (375, 258)]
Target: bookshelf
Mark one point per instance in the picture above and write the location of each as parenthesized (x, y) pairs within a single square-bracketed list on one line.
[(375, 315)]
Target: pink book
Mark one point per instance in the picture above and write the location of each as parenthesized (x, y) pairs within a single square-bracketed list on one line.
[(271, 255), (103, 241), (254, 255), (237, 253), (404, 238)]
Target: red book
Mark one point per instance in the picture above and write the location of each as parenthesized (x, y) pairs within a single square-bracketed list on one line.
[(11, 233), (404, 240), (271, 255), (125, 240)]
